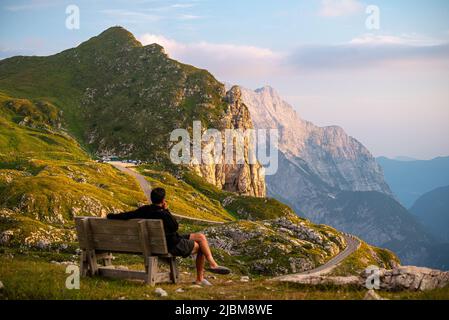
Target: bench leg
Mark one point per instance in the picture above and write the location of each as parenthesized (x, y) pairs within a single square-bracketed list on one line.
[(106, 259), (84, 265), (174, 274), (92, 262), (152, 270)]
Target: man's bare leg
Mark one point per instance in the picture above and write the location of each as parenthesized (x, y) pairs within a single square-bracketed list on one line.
[(204, 248), (200, 262)]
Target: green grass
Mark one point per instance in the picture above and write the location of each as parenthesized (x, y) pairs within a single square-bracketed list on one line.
[(32, 276), (184, 199), (366, 256), (115, 92), (46, 178), (242, 207)]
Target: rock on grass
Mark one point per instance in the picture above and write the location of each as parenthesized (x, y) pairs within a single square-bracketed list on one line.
[(161, 292)]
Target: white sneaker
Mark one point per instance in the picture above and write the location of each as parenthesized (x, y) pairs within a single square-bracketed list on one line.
[(204, 282)]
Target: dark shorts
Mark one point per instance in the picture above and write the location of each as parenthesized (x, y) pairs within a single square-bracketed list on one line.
[(184, 247)]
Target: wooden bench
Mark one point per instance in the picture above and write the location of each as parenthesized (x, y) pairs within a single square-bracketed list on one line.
[(99, 238)]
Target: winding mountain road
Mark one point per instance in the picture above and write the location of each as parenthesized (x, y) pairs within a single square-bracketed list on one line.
[(352, 243), (146, 188)]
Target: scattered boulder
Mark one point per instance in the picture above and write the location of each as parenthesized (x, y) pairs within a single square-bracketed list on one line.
[(244, 279), (179, 290), (401, 278), (6, 236), (1, 286), (161, 292), (311, 279), (411, 278)]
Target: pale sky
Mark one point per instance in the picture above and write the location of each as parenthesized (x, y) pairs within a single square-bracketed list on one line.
[(388, 87)]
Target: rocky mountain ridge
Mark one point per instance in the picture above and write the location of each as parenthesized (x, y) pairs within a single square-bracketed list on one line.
[(336, 158), (331, 178)]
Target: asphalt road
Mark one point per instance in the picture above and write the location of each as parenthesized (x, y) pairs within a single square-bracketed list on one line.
[(352, 244)]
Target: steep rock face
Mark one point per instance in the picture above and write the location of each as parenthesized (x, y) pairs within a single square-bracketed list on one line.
[(336, 158), (247, 178), (331, 178)]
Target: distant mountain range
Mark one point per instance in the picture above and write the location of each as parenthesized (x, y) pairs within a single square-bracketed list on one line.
[(432, 210), (405, 158), (411, 179), (331, 178)]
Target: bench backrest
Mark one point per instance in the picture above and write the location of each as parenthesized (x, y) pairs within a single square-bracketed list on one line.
[(131, 236)]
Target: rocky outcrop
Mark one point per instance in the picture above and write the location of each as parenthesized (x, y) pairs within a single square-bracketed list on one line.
[(246, 178), (275, 247), (322, 280), (401, 278), (331, 178), (337, 159), (412, 278)]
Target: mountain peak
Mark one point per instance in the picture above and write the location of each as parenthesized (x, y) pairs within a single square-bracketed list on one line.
[(113, 38), (266, 89)]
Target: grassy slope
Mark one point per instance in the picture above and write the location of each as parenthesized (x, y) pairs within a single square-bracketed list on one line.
[(31, 276), (184, 199), (366, 256), (46, 178), (114, 92)]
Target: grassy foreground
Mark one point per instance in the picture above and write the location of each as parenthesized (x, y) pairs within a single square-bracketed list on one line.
[(39, 275)]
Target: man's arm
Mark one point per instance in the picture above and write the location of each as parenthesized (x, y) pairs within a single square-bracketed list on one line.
[(122, 216)]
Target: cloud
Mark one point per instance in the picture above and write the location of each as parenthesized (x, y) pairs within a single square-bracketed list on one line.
[(183, 5), (227, 61), (31, 5), (338, 8), (152, 14), (369, 52), (231, 62), (405, 39), (188, 17), (131, 16)]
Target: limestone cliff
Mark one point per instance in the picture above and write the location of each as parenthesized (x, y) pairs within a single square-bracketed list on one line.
[(336, 158), (331, 178), (245, 178)]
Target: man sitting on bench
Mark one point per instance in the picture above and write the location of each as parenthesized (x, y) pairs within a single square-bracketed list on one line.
[(178, 245)]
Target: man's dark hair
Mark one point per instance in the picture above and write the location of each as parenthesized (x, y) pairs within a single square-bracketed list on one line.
[(157, 195)]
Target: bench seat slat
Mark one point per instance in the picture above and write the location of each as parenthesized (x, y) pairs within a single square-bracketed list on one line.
[(121, 235)]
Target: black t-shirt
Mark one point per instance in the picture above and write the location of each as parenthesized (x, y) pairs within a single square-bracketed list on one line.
[(154, 212)]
